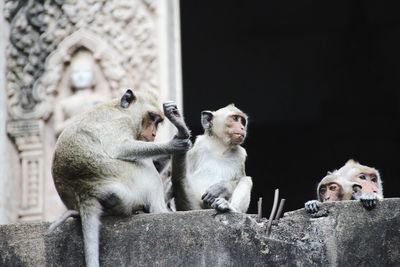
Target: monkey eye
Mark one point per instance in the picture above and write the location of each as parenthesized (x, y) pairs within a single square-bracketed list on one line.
[(322, 190), (332, 187), (244, 121), (154, 117), (362, 177), (374, 178), (235, 117)]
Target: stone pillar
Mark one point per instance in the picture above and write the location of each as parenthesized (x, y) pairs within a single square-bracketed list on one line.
[(27, 136), (3, 117)]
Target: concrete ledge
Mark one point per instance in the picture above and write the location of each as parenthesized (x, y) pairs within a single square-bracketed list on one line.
[(342, 234)]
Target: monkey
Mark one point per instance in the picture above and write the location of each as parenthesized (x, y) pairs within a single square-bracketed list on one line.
[(368, 183), (102, 163), (330, 188), (212, 173), (353, 181)]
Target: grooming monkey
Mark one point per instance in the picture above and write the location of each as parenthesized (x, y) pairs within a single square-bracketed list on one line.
[(352, 181), (212, 174), (103, 164)]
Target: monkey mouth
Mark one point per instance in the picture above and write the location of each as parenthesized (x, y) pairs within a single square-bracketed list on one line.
[(238, 135)]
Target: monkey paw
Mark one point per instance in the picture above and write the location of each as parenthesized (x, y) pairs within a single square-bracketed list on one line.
[(221, 205), (312, 206), (171, 111), (208, 198), (369, 200)]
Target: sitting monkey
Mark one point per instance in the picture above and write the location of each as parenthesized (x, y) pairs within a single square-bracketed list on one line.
[(103, 164), (352, 181), (212, 174)]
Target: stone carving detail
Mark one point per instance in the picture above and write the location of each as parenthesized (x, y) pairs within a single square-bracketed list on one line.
[(45, 37), (37, 28), (27, 135)]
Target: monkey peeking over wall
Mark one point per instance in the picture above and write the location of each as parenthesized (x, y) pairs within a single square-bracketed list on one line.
[(103, 164), (353, 181)]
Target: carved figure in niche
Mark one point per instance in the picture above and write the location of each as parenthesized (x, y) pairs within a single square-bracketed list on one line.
[(81, 93)]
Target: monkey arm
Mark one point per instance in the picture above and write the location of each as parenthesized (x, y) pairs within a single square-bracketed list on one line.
[(132, 150)]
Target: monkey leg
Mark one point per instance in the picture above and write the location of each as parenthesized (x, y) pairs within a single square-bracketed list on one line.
[(240, 199), (90, 211), (172, 113), (312, 206)]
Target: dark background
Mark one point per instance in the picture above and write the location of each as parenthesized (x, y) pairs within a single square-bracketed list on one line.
[(320, 81)]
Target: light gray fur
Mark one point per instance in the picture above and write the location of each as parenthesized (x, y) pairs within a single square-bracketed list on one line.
[(100, 167), (212, 169)]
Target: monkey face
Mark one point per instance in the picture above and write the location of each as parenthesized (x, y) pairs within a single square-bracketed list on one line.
[(229, 124), (368, 182), (149, 126), (331, 192), (236, 126)]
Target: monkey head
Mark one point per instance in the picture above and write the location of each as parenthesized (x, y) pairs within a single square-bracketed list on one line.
[(229, 124), (332, 188), (145, 113), (368, 179)]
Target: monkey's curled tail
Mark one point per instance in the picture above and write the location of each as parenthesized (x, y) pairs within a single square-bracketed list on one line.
[(62, 219)]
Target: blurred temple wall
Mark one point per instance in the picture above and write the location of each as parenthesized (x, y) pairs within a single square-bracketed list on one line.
[(57, 59)]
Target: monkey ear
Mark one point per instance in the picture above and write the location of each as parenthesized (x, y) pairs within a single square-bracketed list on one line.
[(206, 119), (127, 98)]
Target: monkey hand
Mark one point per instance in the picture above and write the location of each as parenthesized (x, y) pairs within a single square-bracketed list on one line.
[(312, 206), (179, 145), (171, 111), (369, 200), (212, 193), (222, 205)]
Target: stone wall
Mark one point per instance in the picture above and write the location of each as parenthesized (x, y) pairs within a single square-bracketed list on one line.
[(341, 234)]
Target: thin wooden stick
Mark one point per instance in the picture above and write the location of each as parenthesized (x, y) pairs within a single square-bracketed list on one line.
[(273, 211), (259, 217), (280, 209)]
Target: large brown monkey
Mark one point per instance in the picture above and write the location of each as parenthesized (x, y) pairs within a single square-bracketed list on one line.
[(352, 181), (212, 173), (101, 166)]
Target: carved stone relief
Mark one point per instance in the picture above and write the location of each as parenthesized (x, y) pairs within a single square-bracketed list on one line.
[(62, 54)]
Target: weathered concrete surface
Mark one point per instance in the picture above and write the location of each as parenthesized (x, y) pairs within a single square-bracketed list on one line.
[(345, 235)]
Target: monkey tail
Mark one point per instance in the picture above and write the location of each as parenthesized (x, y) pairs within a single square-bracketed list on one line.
[(90, 211), (62, 219)]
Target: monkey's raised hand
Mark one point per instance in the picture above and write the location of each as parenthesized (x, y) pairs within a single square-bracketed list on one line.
[(174, 116), (312, 206)]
